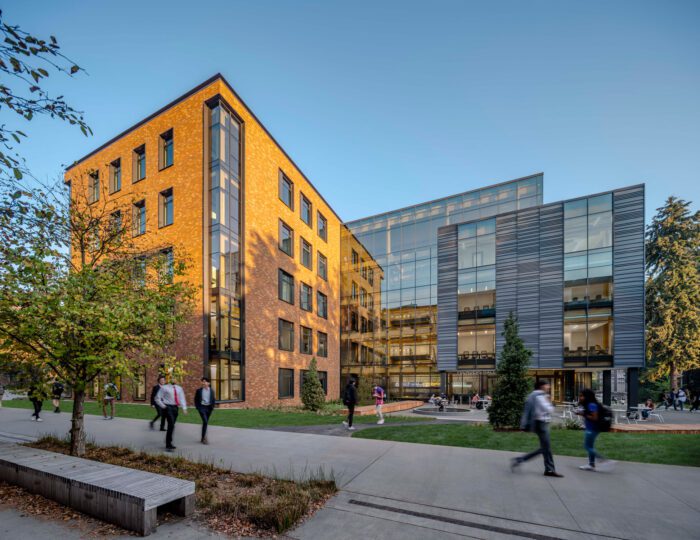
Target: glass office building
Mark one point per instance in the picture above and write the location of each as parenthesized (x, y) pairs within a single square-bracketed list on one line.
[(389, 323)]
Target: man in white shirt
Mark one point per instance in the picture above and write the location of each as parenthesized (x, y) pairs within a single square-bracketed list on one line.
[(536, 417), (171, 397)]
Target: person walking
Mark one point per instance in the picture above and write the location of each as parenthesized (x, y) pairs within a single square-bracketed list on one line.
[(536, 417), (350, 400), (171, 397), (681, 396), (673, 399), (56, 393), (36, 395), (2, 392), (378, 395), (696, 402), (111, 392), (204, 401), (160, 413), (591, 410)]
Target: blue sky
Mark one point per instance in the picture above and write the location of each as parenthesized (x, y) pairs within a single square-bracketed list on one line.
[(386, 104)]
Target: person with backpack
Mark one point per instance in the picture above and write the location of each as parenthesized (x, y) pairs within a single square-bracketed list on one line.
[(108, 398), (56, 392), (536, 417), (350, 400), (597, 418), (378, 395)]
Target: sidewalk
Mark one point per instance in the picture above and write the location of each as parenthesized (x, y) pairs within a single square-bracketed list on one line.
[(407, 491)]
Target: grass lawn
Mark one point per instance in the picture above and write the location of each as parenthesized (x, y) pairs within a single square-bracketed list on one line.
[(667, 449), (241, 418)]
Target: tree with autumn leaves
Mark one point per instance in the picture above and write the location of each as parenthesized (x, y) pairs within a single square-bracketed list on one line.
[(673, 291)]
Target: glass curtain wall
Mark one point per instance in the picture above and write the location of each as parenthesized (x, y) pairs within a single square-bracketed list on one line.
[(588, 282), (225, 315), (397, 345)]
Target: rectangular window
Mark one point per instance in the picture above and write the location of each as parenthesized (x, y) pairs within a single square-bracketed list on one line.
[(355, 260), (139, 163), (322, 265), (165, 208), (322, 226), (285, 286), (321, 305), (286, 190), (322, 378), (285, 383), (363, 269), (322, 349), (306, 209), (139, 218), (370, 276), (116, 222), (306, 297), (286, 240), (168, 270), (306, 254), (139, 390), (306, 338), (93, 186), (165, 154), (363, 297), (286, 335), (353, 291), (115, 176)]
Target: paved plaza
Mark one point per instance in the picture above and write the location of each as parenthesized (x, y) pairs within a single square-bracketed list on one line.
[(401, 490)]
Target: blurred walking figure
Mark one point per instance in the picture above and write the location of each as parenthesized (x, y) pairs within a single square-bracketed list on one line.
[(160, 413), (204, 401), (350, 400), (378, 395), (536, 417), (592, 412), (56, 392), (36, 395), (681, 396), (110, 396), (171, 397)]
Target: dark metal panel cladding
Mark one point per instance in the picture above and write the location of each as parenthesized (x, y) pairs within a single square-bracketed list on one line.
[(528, 279), (551, 286), (628, 276), (447, 299), (506, 273)]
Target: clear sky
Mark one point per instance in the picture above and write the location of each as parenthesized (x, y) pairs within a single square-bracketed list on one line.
[(385, 104)]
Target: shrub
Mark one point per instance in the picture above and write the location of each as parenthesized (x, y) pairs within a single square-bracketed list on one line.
[(312, 395)]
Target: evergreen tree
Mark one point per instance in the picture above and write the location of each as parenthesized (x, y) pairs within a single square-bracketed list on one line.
[(512, 384), (312, 395), (673, 291)]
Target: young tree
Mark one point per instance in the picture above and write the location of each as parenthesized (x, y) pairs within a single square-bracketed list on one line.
[(25, 62), (512, 384), (673, 290), (312, 395), (77, 296)]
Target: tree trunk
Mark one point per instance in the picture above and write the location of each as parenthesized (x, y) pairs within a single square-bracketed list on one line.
[(673, 374), (77, 430)]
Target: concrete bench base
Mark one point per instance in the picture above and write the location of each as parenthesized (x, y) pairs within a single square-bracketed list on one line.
[(126, 497)]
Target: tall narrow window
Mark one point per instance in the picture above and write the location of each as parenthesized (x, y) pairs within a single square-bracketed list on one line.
[(139, 218), (286, 335), (306, 256), (286, 189), (306, 209), (165, 208), (93, 186), (165, 154), (116, 222), (306, 338), (168, 270), (322, 305), (322, 349), (286, 239), (139, 390), (322, 226), (355, 261), (305, 297), (115, 176), (286, 286), (322, 265), (285, 383), (139, 163)]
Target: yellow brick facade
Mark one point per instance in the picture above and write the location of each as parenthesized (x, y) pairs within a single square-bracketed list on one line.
[(262, 160)]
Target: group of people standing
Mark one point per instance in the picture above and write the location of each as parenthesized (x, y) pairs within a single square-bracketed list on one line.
[(537, 417), (167, 398)]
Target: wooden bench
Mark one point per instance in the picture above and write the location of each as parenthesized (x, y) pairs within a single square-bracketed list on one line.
[(126, 497)]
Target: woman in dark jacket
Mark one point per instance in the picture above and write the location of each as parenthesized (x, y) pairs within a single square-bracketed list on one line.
[(350, 400)]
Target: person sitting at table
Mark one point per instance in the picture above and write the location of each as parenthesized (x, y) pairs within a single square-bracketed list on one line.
[(475, 398), (649, 404)]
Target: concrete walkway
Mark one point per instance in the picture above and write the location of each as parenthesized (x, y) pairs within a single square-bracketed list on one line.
[(401, 490)]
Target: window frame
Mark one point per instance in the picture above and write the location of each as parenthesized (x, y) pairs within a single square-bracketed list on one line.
[(288, 371), (280, 323), (143, 371), (311, 297), (280, 274), (318, 344), (303, 242), (93, 186), (115, 166), (310, 335), (321, 257), (320, 295), (303, 198), (291, 240), (136, 153), (164, 138), (322, 379), (162, 214), (320, 218), (135, 208), (284, 178)]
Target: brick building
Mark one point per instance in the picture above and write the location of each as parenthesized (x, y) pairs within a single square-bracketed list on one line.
[(204, 177)]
